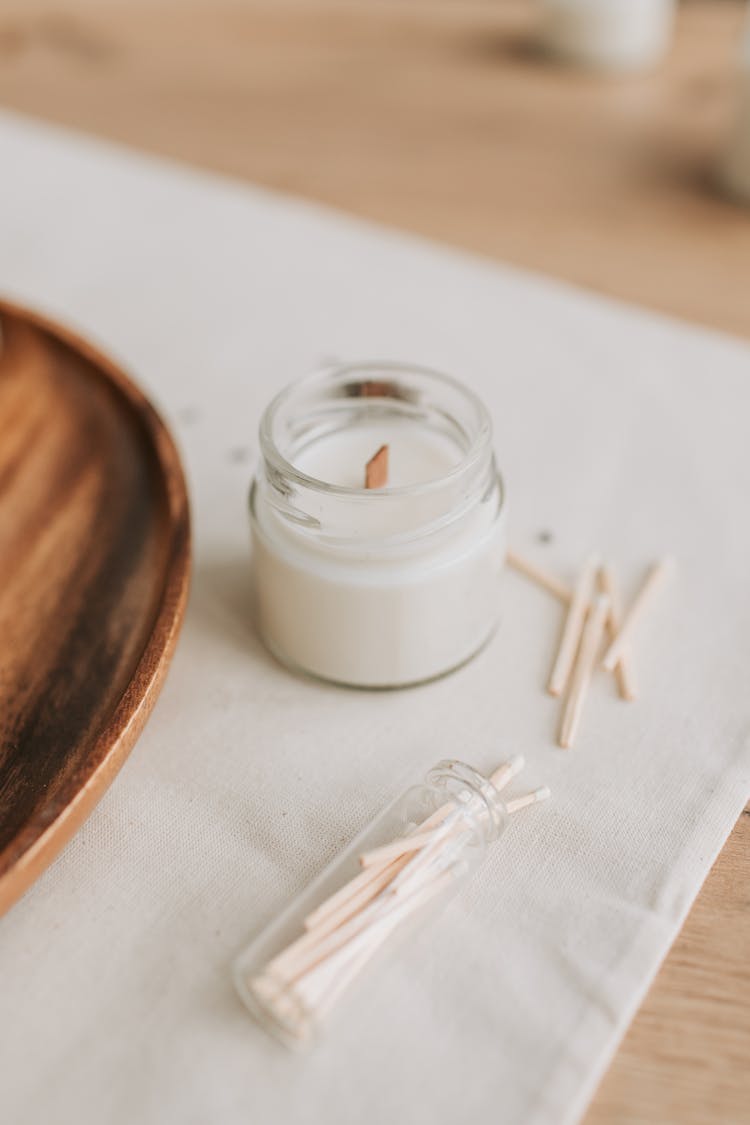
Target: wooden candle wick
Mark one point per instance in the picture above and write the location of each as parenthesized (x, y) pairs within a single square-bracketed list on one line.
[(396, 849), (624, 669), (360, 949), (593, 632), (654, 579), (355, 898), (383, 865), (376, 469), (573, 626), (425, 835), (526, 799), (370, 879), (507, 771), (380, 870), (308, 952), (542, 577)]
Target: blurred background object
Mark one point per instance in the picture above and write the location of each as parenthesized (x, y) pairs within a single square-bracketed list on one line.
[(616, 35), (736, 168), (437, 116)]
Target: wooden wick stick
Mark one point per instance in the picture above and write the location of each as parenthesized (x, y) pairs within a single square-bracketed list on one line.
[(528, 799), (437, 817), (384, 876), (507, 771), (624, 669), (369, 878), (376, 469), (304, 948), (397, 848), (590, 643), (500, 778), (351, 970), (336, 928), (654, 579), (381, 865), (316, 947), (370, 873), (442, 844), (317, 982), (363, 947), (542, 577), (274, 997), (573, 626)]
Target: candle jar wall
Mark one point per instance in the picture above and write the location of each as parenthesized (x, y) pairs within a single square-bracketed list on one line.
[(299, 968), (377, 587)]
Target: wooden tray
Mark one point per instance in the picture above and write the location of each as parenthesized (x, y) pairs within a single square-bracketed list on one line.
[(94, 572)]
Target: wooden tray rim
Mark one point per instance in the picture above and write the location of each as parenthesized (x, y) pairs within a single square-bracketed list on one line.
[(22, 862)]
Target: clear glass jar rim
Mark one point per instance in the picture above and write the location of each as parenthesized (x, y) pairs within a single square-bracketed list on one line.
[(273, 456)]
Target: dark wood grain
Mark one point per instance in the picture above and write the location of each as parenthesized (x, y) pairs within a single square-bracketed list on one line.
[(94, 571)]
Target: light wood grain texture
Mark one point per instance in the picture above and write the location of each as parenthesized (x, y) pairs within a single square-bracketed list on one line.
[(432, 116), (376, 469), (438, 117), (94, 565)]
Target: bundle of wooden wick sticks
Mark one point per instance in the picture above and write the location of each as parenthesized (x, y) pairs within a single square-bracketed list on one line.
[(298, 987), (594, 609)]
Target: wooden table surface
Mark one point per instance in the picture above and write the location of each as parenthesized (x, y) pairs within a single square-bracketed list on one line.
[(439, 117)]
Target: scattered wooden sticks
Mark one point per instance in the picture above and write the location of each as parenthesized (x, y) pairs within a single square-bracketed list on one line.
[(589, 616), (574, 626), (354, 898), (384, 855), (541, 577), (522, 802), (388, 852), (624, 668), (654, 579), (376, 469), (301, 983), (507, 771), (593, 632)]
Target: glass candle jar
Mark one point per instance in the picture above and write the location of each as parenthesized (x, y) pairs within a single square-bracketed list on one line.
[(394, 875), (377, 587)]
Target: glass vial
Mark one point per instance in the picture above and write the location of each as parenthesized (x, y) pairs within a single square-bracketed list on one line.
[(394, 875)]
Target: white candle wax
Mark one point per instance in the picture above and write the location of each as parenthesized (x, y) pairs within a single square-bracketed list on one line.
[(415, 454), (379, 587), (608, 34)]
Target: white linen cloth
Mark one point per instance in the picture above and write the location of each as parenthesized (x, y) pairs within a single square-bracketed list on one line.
[(617, 430)]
